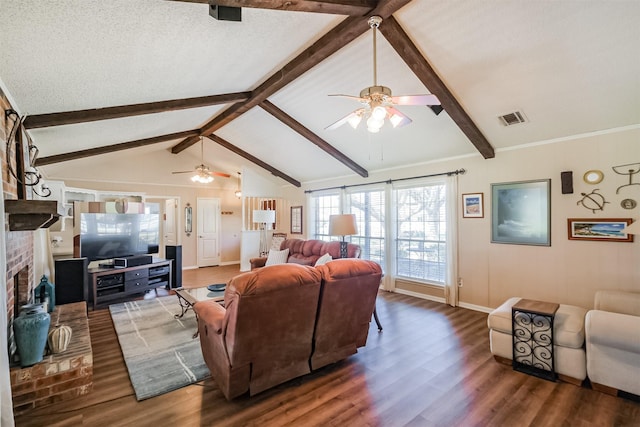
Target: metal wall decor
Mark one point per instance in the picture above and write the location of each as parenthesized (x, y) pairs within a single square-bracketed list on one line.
[(593, 176), (593, 201), (628, 204), (30, 176), (635, 168)]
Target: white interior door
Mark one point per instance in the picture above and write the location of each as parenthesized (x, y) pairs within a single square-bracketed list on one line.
[(208, 227), (170, 218)]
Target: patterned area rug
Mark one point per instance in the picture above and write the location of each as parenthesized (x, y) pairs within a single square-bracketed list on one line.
[(159, 350)]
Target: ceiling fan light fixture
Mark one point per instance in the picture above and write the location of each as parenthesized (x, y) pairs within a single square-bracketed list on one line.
[(355, 120), (374, 124), (395, 120), (379, 113), (202, 178), (378, 101), (238, 193)]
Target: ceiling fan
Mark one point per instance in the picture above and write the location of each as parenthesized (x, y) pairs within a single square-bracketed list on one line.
[(378, 103), (202, 173)]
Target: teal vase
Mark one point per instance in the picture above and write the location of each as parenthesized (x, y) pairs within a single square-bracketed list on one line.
[(30, 330), (45, 292)]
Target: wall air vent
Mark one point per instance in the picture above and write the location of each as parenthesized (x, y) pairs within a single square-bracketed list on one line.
[(512, 118)]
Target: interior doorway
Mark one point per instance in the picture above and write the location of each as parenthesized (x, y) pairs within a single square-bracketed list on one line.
[(208, 231), (167, 209)]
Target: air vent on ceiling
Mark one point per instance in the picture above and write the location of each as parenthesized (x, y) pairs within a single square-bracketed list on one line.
[(512, 118)]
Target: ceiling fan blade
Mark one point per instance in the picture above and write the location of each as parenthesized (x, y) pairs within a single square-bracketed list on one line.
[(351, 116), (183, 172), (416, 100), (356, 98), (397, 118), (222, 174)]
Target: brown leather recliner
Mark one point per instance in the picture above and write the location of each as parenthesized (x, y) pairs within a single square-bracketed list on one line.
[(307, 252), (263, 336), (347, 301)]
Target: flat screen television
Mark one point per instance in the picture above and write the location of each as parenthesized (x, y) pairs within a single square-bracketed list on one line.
[(115, 235)]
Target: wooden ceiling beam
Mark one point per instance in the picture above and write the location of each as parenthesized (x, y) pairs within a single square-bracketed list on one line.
[(400, 41), (335, 7), (319, 142), (338, 37), (95, 114), (116, 147), (229, 146)]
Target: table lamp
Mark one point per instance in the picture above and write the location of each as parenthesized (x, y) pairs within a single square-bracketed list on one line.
[(343, 225), (264, 218)]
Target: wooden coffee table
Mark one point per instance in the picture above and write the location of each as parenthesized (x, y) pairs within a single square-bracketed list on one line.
[(187, 297)]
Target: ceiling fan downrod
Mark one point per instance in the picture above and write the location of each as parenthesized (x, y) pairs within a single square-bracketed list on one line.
[(374, 23)]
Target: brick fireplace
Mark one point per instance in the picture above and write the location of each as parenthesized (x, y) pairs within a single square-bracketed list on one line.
[(61, 376)]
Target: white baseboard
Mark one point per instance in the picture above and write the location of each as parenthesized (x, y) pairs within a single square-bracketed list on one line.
[(419, 295), (474, 307), (193, 267), (442, 300)]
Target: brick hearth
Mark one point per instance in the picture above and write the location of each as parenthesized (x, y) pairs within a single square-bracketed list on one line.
[(59, 376)]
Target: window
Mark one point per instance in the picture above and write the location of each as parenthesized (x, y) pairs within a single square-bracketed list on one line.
[(322, 206), (403, 228), (369, 208), (421, 230)]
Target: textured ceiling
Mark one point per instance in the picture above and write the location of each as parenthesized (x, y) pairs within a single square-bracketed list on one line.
[(571, 67)]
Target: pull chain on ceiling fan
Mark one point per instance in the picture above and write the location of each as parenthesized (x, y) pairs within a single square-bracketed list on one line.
[(377, 100), (203, 174)]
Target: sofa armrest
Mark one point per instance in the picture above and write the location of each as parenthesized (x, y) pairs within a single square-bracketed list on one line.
[(210, 315), (614, 330), (257, 262), (618, 302)]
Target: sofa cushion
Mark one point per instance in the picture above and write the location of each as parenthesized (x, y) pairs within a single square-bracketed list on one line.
[(568, 324), (323, 260), (277, 257)]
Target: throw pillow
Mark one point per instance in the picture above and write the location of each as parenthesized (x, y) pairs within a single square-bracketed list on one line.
[(277, 257), (323, 259)]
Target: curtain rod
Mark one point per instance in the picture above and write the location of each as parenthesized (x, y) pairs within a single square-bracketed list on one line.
[(389, 181)]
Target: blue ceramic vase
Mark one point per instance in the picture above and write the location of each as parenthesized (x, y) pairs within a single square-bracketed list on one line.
[(30, 330)]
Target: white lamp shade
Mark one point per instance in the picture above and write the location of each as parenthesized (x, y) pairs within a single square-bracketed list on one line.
[(264, 216), (342, 225), (633, 228)]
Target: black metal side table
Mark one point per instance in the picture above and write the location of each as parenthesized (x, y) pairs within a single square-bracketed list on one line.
[(532, 323)]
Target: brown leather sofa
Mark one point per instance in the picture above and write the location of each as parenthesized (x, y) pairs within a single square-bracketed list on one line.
[(307, 252), (280, 322)]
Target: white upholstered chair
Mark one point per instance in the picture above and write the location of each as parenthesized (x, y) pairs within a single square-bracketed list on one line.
[(612, 331)]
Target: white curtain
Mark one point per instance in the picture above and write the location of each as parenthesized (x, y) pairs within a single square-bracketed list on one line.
[(451, 281), (6, 404)]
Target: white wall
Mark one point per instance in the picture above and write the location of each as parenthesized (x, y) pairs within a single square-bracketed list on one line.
[(566, 272)]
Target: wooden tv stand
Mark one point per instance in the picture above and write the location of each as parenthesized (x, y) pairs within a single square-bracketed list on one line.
[(112, 284)]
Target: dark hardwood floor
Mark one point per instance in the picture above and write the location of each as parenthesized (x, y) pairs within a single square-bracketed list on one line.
[(430, 366)]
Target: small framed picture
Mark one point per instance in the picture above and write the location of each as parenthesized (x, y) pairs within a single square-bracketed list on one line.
[(296, 219), (473, 205), (601, 229)]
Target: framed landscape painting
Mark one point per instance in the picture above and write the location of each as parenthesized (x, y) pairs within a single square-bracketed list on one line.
[(521, 212), (472, 205), (601, 229)]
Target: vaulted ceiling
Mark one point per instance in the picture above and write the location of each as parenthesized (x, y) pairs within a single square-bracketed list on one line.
[(123, 90)]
